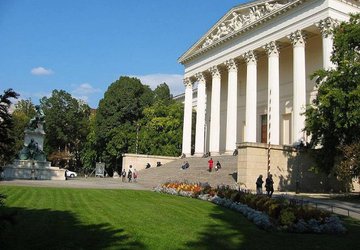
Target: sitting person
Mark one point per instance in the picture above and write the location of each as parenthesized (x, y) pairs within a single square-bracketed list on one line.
[(147, 165), (186, 165), (217, 166)]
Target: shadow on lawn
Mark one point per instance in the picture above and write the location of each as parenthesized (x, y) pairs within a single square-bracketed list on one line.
[(239, 233), (46, 229), (230, 235)]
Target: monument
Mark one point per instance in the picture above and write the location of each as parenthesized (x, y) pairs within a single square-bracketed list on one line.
[(31, 162)]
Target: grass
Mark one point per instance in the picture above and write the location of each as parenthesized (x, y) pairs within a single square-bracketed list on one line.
[(55, 218)]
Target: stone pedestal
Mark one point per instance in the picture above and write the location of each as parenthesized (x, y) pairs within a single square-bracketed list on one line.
[(33, 170)]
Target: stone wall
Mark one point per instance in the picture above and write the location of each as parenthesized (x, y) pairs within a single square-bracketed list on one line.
[(139, 161), (287, 167)]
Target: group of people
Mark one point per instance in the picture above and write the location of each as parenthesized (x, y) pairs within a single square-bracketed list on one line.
[(211, 165), (132, 174), (269, 185)]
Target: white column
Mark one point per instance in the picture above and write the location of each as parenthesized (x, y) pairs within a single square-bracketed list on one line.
[(251, 100), (214, 146), (186, 145), (273, 93), (200, 115), (231, 118), (326, 26), (299, 85)]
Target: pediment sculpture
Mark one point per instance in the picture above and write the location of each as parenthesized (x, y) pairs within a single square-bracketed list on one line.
[(239, 19)]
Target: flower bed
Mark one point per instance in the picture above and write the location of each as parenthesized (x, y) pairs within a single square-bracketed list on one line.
[(269, 214)]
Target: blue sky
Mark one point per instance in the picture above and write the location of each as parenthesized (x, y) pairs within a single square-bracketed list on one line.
[(82, 46)]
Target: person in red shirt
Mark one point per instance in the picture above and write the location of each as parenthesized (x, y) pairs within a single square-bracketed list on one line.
[(211, 164)]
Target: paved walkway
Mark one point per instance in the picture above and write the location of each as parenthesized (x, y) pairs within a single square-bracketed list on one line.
[(97, 183), (324, 201)]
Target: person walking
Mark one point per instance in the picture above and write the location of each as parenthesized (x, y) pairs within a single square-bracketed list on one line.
[(211, 164), (130, 173), (135, 175), (269, 185), (259, 183), (123, 175)]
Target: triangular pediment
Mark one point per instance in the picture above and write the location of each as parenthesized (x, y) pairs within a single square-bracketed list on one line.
[(239, 19)]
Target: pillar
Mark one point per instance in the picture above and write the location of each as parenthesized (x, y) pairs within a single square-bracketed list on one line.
[(231, 118), (214, 146), (186, 144), (200, 115), (299, 85), (251, 100), (326, 26), (273, 93)]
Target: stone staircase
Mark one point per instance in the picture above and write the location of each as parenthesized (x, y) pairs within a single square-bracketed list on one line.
[(197, 172)]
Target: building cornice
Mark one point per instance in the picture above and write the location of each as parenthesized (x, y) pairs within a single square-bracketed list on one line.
[(198, 48)]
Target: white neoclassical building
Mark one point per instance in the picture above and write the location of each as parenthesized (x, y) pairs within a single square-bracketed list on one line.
[(252, 73)]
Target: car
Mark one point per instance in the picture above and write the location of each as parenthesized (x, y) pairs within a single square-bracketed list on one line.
[(70, 174)]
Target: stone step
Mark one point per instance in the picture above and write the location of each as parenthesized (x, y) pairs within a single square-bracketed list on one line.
[(197, 172)]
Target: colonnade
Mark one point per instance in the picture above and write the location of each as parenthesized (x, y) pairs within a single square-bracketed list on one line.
[(297, 40)]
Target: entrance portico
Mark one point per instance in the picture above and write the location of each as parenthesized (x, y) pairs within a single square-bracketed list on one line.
[(256, 62)]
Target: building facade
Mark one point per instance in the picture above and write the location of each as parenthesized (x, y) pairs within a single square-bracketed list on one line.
[(252, 73)]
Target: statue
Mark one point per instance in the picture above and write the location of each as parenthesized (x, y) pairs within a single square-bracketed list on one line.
[(37, 121), (32, 152)]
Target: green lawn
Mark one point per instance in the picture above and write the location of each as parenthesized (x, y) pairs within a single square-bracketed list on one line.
[(55, 218)]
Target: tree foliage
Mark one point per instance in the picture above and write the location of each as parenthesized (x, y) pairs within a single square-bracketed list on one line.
[(117, 115), (24, 111), (66, 123), (7, 136), (333, 120), (161, 129)]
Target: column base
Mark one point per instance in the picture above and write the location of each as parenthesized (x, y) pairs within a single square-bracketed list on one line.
[(229, 152), (215, 154)]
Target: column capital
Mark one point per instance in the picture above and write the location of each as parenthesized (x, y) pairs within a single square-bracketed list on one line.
[(231, 65), (187, 82), (215, 71), (272, 49), (297, 38), (326, 26), (200, 77), (250, 56)]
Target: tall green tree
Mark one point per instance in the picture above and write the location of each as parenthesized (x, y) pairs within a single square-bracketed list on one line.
[(66, 123), (117, 115), (161, 129), (24, 111), (7, 136), (162, 94), (333, 120), (89, 151)]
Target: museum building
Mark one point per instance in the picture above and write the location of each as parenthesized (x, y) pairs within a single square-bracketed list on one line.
[(251, 72)]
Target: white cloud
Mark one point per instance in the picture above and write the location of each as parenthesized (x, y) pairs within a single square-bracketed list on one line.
[(84, 91), (174, 81), (41, 71)]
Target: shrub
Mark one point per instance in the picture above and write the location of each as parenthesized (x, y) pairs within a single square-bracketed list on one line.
[(287, 217), (274, 210)]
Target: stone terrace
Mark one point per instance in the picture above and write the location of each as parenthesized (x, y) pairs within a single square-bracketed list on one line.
[(197, 172)]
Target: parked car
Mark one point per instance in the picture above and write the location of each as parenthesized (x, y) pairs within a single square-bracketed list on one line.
[(70, 174)]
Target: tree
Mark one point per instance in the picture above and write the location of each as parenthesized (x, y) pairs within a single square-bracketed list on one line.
[(89, 152), (162, 94), (24, 111), (117, 116), (66, 124), (7, 136), (333, 120), (161, 129)]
